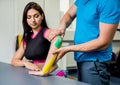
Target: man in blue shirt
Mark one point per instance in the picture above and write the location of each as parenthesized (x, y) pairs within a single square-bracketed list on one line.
[(96, 23)]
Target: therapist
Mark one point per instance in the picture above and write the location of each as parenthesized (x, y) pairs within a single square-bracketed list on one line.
[(96, 23)]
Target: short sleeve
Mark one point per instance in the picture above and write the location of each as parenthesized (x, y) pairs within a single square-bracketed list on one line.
[(109, 11), (76, 2)]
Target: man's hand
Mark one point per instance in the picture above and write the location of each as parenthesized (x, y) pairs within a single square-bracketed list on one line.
[(61, 52), (55, 33)]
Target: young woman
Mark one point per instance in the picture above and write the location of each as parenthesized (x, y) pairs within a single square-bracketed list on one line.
[(35, 43)]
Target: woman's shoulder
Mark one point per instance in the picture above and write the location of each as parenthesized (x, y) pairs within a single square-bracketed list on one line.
[(47, 32)]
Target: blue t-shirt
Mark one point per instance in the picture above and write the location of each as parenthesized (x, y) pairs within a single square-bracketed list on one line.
[(88, 16)]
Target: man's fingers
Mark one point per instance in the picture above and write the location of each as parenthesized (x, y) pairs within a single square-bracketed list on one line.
[(55, 33)]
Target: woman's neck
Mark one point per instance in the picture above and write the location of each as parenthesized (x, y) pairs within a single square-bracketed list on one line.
[(36, 31)]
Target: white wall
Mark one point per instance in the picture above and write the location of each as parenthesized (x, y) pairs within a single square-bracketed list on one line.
[(7, 29), (52, 11)]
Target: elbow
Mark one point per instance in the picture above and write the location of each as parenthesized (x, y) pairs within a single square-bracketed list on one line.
[(103, 43), (13, 63), (105, 46)]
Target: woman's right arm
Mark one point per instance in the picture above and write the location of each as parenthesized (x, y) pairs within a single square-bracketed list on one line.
[(17, 60), (18, 56)]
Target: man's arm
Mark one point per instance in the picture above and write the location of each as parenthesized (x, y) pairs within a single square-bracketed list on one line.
[(107, 32), (68, 17), (64, 23)]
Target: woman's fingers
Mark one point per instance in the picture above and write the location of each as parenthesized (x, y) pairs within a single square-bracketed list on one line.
[(38, 73)]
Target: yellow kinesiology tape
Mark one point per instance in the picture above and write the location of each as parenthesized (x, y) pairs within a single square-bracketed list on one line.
[(49, 64)]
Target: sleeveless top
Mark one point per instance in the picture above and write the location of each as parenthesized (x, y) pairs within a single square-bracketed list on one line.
[(37, 48)]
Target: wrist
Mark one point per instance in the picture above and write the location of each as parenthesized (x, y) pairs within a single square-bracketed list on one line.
[(62, 27), (24, 63)]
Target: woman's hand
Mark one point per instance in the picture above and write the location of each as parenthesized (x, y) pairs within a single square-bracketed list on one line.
[(37, 73), (40, 73), (31, 66)]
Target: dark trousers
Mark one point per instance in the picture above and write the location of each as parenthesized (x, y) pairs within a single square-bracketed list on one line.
[(94, 73)]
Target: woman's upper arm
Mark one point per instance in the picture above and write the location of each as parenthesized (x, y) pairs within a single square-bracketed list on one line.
[(19, 53), (47, 32)]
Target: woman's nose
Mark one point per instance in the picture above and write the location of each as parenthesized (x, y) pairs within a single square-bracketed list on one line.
[(32, 19)]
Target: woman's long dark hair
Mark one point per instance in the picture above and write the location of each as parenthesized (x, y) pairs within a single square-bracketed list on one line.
[(27, 29)]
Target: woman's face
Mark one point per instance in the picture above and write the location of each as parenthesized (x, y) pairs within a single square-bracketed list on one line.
[(34, 18)]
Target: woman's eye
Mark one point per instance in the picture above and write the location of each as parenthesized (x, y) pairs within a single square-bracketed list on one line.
[(28, 17), (36, 15)]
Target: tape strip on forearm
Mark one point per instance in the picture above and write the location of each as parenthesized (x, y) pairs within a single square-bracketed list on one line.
[(49, 64)]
